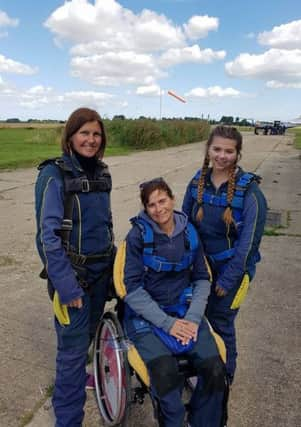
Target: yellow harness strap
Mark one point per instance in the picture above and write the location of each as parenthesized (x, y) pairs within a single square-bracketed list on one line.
[(219, 343), (118, 272), (138, 365), (60, 310), (241, 293)]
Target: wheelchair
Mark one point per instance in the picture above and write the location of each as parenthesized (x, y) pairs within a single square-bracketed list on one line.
[(121, 377)]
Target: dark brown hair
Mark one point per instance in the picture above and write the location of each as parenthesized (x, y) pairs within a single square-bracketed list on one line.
[(229, 133), (76, 120), (146, 189)]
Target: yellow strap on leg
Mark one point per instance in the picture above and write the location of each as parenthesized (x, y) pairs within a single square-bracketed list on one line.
[(138, 365), (60, 310), (241, 293), (219, 342)]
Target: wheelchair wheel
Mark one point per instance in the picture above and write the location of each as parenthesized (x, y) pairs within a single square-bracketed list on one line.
[(112, 372)]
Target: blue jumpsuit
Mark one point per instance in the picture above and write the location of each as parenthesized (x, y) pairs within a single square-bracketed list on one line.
[(149, 293), (231, 251), (91, 235)]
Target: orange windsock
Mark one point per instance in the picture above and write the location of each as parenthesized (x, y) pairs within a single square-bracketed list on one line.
[(170, 92)]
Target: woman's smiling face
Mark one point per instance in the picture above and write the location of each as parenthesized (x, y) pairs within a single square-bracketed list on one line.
[(87, 140), (222, 153), (160, 208)]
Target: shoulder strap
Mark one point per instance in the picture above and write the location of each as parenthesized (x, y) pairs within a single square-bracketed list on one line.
[(147, 234), (58, 161), (192, 236), (245, 180)]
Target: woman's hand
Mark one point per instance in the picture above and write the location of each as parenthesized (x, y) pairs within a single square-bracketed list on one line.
[(184, 331), (76, 303), (220, 292)]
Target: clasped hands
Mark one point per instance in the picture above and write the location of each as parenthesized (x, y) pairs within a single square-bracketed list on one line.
[(184, 331)]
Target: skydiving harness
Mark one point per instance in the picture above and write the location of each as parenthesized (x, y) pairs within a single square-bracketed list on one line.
[(237, 204), (158, 264), (72, 186)]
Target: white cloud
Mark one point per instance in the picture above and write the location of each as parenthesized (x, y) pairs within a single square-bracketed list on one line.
[(111, 45), (116, 68), (38, 96), (6, 88), (151, 90), (10, 66), (39, 90), (250, 35), (155, 32), (285, 36), (274, 84), (275, 64), (118, 28), (199, 26), (190, 54), (6, 21), (88, 96), (212, 92), (2, 84)]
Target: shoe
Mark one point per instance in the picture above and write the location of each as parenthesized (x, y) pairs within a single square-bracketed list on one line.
[(90, 383)]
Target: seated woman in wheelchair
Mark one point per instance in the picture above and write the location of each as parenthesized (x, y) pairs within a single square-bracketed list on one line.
[(167, 286)]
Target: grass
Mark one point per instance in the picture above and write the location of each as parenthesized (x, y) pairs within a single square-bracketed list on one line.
[(28, 146), (297, 132), (28, 416), (272, 232)]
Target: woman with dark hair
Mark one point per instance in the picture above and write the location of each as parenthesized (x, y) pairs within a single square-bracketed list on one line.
[(75, 243), (166, 282), (228, 209)]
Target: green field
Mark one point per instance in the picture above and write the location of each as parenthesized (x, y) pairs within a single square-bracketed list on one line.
[(26, 146), (297, 132)]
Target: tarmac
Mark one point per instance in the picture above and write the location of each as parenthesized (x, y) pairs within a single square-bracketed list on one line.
[(266, 391)]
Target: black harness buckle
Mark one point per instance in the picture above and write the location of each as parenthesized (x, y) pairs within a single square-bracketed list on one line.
[(85, 185)]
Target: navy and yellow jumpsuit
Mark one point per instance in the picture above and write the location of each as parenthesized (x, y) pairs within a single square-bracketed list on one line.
[(149, 293), (91, 242), (232, 251)]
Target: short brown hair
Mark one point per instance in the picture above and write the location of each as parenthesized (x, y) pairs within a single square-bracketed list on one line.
[(75, 121), (146, 189)]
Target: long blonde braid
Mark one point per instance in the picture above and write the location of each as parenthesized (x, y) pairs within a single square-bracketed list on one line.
[(201, 185), (227, 215)]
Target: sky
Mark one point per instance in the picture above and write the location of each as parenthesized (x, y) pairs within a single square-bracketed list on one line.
[(233, 58)]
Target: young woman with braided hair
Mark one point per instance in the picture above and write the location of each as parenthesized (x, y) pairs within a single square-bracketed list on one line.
[(228, 209)]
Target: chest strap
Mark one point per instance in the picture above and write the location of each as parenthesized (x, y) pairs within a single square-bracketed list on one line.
[(221, 200), (84, 185), (158, 263)]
